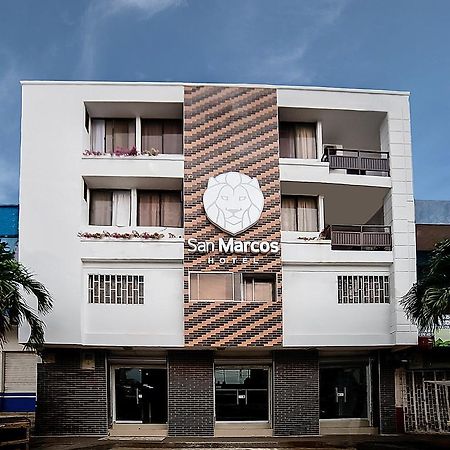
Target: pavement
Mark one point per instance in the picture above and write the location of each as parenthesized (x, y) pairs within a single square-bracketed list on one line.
[(355, 442)]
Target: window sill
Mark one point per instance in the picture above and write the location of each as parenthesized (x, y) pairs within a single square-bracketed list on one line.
[(171, 157), (93, 233), (302, 237), (303, 162)]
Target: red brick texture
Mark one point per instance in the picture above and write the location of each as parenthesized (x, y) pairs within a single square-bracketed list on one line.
[(231, 129)]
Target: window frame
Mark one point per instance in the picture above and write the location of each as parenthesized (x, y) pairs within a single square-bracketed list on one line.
[(163, 123), (318, 138), (319, 209), (271, 277), (160, 192), (342, 292), (223, 272), (118, 280), (113, 119)]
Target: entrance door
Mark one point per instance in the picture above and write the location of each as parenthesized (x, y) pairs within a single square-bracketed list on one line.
[(343, 392), (140, 395), (242, 394)]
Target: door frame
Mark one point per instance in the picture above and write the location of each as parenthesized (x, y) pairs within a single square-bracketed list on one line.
[(233, 365), (113, 368), (367, 363)]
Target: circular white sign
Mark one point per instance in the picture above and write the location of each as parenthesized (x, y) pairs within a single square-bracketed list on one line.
[(233, 202)]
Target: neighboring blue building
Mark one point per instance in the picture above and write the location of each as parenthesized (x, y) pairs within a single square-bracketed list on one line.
[(9, 225), (17, 367)]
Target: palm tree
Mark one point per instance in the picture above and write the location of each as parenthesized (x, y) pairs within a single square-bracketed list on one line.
[(15, 281), (427, 303)]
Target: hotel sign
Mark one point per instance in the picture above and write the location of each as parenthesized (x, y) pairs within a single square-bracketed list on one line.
[(233, 202)]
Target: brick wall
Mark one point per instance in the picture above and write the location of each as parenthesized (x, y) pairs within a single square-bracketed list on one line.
[(296, 393), (387, 393), (231, 129), (71, 400), (191, 393)]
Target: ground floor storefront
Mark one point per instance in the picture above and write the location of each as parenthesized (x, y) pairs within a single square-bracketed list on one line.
[(215, 393)]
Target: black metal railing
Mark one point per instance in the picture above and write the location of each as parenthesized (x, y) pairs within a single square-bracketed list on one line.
[(359, 237), (357, 161)]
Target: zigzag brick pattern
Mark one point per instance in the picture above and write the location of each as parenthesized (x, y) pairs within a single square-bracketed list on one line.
[(231, 129)]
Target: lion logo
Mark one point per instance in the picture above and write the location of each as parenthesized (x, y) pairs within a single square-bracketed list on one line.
[(233, 202)]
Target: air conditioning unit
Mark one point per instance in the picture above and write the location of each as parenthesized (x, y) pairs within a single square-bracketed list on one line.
[(332, 146)]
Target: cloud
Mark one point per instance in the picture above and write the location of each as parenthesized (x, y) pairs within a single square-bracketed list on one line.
[(146, 7), (100, 11), (285, 61), (8, 182)]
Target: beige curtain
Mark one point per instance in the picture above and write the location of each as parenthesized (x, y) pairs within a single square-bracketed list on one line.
[(100, 207), (152, 135), (288, 213), (98, 135), (305, 141), (121, 208), (307, 214), (173, 137), (171, 209), (148, 209)]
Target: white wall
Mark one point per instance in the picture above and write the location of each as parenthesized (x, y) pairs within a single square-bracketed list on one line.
[(312, 316), (53, 211)]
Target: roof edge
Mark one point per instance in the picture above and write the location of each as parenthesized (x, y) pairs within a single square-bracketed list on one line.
[(255, 85)]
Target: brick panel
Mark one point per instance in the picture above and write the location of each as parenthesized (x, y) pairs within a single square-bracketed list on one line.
[(387, 393), (191, 394), (231, 129), (296, 393), (71, 400)]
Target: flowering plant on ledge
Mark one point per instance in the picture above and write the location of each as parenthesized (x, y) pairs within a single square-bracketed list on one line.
[(119, 151), (132, 235)]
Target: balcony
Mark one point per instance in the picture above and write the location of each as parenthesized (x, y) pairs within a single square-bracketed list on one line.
[(359, 237), (359, 162)]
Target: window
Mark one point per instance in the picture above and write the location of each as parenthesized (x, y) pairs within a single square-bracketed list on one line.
[(221, 286), (363, 289), (299, 213), (298, 140), (107, 207), (258, 287), (160, 208), (166, 135), (116, 289), (212, 286), (113, 135)]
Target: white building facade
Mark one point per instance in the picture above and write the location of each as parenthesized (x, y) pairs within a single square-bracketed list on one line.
[(224, 259)]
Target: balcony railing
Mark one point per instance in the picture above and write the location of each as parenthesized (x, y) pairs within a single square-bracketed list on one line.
[(359, 237), (357, 161)]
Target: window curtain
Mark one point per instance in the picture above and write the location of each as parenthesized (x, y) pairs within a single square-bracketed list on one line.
[(307, 214), (100, 207), (171, 209), (287, 147), (288, 213), (148, 209), (98, 135), (173, 137), (121, 201), (120, 134), (152, 132), (305, 141)]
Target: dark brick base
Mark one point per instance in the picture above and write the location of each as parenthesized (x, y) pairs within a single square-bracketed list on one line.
[(387, 393), (71, 400), (191, 393), (296, 393)]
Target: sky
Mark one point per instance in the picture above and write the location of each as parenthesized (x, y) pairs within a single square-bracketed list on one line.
[(376, 44)]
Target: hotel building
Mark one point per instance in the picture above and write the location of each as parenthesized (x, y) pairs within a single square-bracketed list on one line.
[(224, 259)]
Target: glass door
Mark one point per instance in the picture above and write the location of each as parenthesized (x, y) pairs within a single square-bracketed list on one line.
[(140, 395), (344, 392), (242, 394)]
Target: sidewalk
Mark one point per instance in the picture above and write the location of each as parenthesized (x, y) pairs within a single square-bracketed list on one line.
[(398, 442)]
